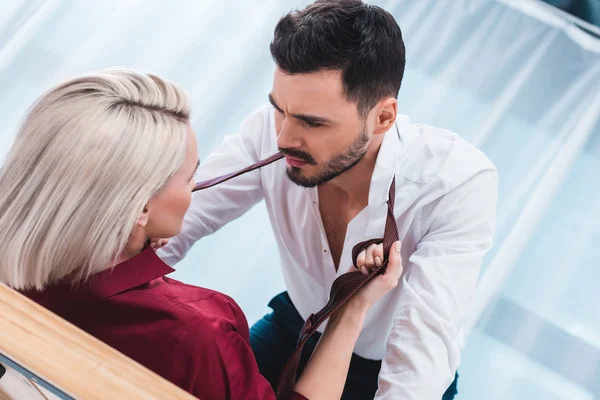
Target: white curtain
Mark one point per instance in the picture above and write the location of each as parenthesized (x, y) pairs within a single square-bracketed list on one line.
[(511, 76)]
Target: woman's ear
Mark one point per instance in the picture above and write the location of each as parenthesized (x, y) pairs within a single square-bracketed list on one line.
[(142, 220)]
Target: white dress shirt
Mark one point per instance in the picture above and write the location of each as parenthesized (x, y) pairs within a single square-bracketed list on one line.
[(445, 208)]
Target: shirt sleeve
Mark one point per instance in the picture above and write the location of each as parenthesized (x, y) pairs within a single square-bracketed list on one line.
[(213, 208), (423, 351), (218, 364)]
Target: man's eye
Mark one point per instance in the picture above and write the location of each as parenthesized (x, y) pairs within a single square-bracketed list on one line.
[(312, 124)]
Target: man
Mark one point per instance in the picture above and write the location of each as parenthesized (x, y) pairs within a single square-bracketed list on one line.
[(333, 113)]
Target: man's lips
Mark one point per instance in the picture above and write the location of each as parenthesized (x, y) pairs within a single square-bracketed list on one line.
[(295, 162)]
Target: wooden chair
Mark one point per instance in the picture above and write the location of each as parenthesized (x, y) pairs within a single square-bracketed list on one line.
[(46, 357)]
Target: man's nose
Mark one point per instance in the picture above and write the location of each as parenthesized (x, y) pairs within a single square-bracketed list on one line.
[(288, 137)]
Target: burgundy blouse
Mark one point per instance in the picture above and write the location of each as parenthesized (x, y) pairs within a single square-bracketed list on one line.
[(194, 337)]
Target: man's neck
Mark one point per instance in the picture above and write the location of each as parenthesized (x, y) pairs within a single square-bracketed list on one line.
[(354, 184)]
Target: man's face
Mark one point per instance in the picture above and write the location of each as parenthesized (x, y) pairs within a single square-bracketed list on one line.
[(318, 129)]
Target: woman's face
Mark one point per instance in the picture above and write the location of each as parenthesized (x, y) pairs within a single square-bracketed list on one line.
[(165, 211)]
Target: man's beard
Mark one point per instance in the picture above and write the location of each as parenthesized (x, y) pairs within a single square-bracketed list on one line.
[(334, 167)]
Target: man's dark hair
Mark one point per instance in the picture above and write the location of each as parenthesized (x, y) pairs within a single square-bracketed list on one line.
[(362, 41)]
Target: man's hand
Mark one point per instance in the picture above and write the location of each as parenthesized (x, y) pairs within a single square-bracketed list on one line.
[(158, 243)]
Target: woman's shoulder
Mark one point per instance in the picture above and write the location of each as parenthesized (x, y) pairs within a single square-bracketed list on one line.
[(193, 305), (202, 302)]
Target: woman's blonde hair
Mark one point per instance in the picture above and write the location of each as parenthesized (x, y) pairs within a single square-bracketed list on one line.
[(90, 154)]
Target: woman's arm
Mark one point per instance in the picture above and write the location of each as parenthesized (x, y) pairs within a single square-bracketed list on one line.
[(325, 374)]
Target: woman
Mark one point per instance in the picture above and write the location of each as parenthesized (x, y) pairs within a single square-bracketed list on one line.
[(101, 164)]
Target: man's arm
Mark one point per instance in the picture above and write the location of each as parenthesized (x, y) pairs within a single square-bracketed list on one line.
[(213, 208), (423, 350)]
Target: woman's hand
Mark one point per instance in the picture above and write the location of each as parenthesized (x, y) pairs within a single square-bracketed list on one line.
[(370, 258), (367, 260)]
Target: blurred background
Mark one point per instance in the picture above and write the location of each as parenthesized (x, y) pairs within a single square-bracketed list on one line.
[(519, 79)]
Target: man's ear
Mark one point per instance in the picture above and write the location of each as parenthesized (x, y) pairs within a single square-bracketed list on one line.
[(386, 115), (142, 220)]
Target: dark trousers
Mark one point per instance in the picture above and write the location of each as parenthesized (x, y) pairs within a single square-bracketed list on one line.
[(274, 338)]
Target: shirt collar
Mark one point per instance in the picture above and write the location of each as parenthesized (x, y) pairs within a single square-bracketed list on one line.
[(133, 272), (127, 275), (393, 146)]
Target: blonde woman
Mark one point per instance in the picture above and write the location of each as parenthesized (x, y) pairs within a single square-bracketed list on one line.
[(101, 164)]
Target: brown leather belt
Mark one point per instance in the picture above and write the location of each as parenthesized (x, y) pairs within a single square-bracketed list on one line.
[(342, 289)]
